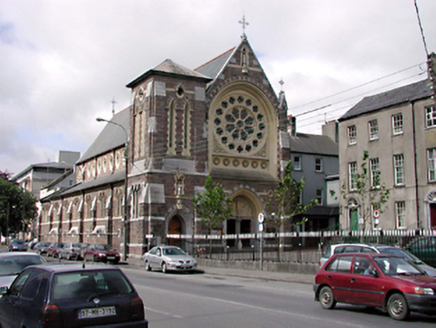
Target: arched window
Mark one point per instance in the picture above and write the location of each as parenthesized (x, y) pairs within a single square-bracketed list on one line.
[(171, 127), (186, 129)]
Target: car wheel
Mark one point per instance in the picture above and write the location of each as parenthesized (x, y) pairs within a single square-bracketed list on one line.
[(326, 298), (397, 307), (147, 266), (164, 268)]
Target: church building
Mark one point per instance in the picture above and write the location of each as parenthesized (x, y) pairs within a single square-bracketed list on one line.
[(221, 119)]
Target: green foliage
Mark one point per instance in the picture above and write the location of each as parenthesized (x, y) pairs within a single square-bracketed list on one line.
[(212, 205), (284, 201), (16, 205), (370, 195)]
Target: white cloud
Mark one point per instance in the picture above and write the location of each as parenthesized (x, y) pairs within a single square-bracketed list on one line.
[(62, 62)]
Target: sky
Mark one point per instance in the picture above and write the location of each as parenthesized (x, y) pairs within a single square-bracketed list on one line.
[(64, 62)]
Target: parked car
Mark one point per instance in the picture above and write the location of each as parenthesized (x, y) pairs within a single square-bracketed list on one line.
[(69, 251), (376, 249), (17, 245), (388, 282), (71, 295), (53, 249), (11, 265), (101, 253), (41, 247), (425, 249), (168, 258)]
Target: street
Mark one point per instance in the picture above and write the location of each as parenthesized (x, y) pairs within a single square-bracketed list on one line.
[(205, 300)]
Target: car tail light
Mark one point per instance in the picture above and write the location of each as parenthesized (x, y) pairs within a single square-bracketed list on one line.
[(136, 309), (51, 316)]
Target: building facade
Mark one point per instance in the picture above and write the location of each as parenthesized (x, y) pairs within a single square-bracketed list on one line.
[(397, 129), (222, 119)]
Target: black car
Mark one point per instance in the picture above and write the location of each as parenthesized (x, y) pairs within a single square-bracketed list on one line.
[(71, 295)]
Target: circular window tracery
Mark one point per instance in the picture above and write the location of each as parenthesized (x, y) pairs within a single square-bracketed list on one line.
[(239, 125)]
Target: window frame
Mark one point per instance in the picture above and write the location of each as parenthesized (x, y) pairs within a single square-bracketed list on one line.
[(400, 214), (398, 163), (318, 164), (352, 134), (294, 163), (373, 130), (374, 172), (431, 165), (319, 197), (397, 124), (430, 116), (352, 176)]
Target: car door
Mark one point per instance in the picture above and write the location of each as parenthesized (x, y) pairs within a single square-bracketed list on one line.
[(19, 307), (365, 287), (339, 276)]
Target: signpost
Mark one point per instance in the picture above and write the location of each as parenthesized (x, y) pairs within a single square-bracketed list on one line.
[(261, 219)]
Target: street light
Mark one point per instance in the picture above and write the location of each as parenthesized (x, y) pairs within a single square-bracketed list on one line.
[(126, 163)]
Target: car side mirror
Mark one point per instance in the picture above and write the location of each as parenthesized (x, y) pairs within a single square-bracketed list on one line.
[(374, 273), (4, 290)]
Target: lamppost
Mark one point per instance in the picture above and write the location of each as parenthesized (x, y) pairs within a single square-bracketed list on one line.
[(126, 163)]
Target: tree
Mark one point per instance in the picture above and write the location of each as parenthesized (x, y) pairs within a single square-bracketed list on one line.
[(213, 206), (284, 202), (366, 185), (17, 206)]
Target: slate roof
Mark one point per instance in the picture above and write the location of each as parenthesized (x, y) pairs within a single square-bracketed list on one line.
[(168, 67), (213, 67), (408, 93), (313, 144), (111, 137), (54, 165)]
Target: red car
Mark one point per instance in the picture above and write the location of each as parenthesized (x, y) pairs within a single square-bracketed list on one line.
[(101, 253), (389, 282)]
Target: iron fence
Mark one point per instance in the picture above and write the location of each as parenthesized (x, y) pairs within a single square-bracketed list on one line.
[(303, 247)]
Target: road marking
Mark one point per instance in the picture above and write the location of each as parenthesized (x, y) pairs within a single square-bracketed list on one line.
[(324, 320), (165, 313)]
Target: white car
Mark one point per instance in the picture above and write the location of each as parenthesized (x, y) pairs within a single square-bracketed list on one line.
[(11, 264), (168, 258)]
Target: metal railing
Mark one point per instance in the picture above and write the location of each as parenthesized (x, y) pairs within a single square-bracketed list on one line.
[(301, 247)]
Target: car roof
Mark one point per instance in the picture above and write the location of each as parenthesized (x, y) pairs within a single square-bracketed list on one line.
[(369, 255), (13, 254), (71, 267)]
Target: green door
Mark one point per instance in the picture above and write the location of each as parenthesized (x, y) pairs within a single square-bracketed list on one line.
[(354, 221)]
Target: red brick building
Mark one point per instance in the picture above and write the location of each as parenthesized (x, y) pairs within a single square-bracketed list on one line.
[(222, 119)]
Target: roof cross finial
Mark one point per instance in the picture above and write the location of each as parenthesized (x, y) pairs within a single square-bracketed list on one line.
[(244, 24), (113, 105), (281, 82)]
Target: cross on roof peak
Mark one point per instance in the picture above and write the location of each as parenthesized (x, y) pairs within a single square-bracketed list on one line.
[(244, 24)]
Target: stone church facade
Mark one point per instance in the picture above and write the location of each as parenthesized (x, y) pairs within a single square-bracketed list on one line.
[(222, 119)]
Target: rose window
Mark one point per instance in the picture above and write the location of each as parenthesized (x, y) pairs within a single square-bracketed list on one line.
[(239, 124)]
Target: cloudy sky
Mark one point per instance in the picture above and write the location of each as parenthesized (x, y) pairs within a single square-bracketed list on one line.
[(62, 62)]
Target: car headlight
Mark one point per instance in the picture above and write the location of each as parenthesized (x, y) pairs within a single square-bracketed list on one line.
[(102, 254), (424, 291)]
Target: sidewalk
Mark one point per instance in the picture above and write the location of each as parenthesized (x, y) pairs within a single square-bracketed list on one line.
[(254, 274)]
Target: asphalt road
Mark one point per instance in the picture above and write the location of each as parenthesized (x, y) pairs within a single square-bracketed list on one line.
[(205, 300)]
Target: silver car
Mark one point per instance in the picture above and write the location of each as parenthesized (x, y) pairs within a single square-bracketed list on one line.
[(168, 258), (70, 251), (11, 265)]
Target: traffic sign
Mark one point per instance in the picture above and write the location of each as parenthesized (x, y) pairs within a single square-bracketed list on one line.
[(376, 214), (261, 217)]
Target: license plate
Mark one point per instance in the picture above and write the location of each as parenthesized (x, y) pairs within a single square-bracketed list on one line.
[(97, 312), (111, 257)]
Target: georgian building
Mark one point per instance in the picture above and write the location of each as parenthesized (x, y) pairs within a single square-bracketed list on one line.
[(222, 119), (398, 129)]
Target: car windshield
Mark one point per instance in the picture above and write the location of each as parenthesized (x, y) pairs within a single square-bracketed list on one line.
[(12, 265), (18, 242), (395, 266), (101, 247), (402, 253), (89, 284), (173, 251)]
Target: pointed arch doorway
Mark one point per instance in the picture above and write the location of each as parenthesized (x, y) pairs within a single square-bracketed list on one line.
[(175, 227), (244, 214)]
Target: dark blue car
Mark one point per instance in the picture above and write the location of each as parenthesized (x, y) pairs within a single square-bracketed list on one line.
[(71, 295)]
